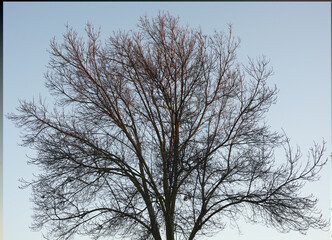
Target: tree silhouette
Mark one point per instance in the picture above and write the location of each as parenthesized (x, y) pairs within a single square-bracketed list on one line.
[(160, 134)]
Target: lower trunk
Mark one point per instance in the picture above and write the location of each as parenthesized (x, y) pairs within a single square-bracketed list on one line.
[(170, 228)]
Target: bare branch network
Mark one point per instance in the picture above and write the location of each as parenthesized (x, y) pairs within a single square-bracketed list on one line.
[(160, 134)]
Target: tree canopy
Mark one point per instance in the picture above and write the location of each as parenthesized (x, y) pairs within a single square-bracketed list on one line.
[(160, 133)]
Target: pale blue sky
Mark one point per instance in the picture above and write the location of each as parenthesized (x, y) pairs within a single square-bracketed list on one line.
[(295, 36)]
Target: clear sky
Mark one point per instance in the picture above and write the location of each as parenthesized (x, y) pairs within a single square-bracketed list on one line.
[(296, 36)]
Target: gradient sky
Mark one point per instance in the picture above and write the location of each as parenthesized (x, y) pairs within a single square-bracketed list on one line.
[(296, 37)]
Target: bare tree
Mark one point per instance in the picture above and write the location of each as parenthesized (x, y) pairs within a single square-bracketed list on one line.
[(161, 134)]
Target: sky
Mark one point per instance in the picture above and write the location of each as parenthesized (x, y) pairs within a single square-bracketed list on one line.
[(295, 36)]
